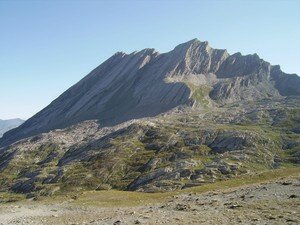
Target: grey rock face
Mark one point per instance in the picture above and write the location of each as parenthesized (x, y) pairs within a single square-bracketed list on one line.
[(147, 83)]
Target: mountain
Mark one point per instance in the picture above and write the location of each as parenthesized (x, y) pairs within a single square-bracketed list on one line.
[(147, 83), (155, 122), (6, 125)]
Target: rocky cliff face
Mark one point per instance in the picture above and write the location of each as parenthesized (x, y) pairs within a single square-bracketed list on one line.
[(147, 83)]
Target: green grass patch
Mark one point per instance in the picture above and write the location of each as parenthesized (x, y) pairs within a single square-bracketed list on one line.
[(199, 93)]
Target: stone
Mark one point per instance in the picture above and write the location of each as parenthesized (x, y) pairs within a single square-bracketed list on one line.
[(293, 196), (182, 207), (234, 206)]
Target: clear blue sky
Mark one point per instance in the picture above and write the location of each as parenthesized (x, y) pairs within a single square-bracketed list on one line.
[(46, 46)]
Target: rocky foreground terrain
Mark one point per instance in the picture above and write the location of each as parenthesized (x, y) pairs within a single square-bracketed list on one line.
[(269, 202)]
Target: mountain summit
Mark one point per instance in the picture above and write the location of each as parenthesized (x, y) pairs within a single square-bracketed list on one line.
[(147, 83)]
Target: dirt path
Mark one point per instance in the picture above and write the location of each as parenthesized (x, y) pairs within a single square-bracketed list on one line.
[(276, 202)]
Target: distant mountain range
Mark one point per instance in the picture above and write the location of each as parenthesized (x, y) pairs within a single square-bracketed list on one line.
[(6, 125), (147, 83)]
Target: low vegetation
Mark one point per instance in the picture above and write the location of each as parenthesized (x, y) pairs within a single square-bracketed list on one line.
[(166, 153)]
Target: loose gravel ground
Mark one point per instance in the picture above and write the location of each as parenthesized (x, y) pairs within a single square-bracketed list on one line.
[(276, 202)]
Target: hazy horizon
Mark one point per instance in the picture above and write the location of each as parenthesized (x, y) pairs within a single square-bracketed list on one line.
[(48, 46)]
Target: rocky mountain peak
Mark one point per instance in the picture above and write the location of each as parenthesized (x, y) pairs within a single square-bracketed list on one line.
[(147, 83), (197, 57)]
